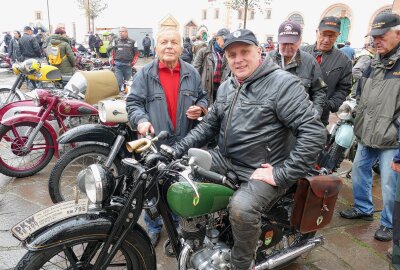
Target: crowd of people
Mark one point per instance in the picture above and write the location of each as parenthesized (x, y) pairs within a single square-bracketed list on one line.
[(266, 116)]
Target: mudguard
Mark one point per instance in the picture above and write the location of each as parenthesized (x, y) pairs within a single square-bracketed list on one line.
[(16, 104), (34, 119), (89, 133), (345, 135), (89, 226)]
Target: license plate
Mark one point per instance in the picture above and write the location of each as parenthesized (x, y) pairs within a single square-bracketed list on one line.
[(48, 216)]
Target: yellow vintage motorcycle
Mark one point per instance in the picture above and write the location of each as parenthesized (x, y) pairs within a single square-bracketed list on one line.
[(33, 71)]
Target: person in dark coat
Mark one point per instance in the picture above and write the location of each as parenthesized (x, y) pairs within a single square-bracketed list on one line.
[(187, 53), (146, 43), (7, 40), (97, 44), (14, 50), (29, 45), (92, 41), (335, 66)]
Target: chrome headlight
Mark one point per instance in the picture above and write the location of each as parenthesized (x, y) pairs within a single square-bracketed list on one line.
[(97, 185), (35, 97), (344, 112)]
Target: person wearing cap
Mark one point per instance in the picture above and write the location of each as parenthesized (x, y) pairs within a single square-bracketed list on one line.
[(211, 64), (335, 66), (146, 43), (28, 45), (59, 39), (376, 125), (349, 51), (166, 94), (289, 57), (60, 26), (255, 112)]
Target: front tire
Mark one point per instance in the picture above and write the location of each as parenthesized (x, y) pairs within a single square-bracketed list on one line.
[(133, 254), (18, 162), (62, 179)]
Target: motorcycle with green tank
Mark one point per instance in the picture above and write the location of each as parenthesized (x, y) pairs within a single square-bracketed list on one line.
[(102, 230)]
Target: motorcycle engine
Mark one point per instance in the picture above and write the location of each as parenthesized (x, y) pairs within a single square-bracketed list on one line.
[(194, 230), (217, 256)]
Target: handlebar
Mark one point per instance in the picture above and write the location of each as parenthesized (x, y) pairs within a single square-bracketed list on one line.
[(215, 177)]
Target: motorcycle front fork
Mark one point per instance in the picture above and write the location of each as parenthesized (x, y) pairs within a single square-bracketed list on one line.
[(31, 136)]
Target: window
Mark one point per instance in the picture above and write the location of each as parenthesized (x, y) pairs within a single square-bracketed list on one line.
[(296, 17), (38, 15), (241, 14), (268, 14), (204, 14), (251, 14), (216, 14)]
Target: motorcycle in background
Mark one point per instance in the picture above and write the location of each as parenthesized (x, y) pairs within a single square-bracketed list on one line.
[(341, 139), (100, 143), (102, 230), (31, 70), (29, 141)]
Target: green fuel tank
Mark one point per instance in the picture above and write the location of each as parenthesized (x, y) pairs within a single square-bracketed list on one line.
[(183, 201)]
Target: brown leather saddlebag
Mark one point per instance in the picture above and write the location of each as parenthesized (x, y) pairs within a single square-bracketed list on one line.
[(314, 202)]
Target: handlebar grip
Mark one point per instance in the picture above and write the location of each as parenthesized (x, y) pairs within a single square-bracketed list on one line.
[(215, 177)]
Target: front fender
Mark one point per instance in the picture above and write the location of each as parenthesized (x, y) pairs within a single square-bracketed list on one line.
[(90, 226), (89, 133), (33, 119), (15, 104), (344, 135)]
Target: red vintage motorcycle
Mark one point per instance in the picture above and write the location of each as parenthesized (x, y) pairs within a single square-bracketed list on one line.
[(28, 141)]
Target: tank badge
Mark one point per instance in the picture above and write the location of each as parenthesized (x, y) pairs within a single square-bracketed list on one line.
[(196, 201), (319, 220), (268, 237), (67, 108)]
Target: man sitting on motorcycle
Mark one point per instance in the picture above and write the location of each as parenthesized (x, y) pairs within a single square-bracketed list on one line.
[(254, 113)]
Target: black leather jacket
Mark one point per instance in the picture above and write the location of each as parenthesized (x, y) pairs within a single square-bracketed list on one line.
[(254, 121)]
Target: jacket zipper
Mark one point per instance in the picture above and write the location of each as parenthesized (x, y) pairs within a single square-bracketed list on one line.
[(229, 118), (267, 155)]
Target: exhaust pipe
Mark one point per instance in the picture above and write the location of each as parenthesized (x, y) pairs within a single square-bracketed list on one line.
[(184, 257), (290, 254)]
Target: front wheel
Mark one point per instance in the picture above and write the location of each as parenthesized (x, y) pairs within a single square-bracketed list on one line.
[(62, 181), (6, 96), (18, 161), (82, 253)]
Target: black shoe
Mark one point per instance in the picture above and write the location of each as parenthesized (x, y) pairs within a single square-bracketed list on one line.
[(154, 237), (384, 234), (352, 213)]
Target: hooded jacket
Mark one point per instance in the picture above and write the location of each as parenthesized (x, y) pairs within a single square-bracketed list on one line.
[(205, 63), (379, 104), (254, 120), (336, 72), (67, 66)]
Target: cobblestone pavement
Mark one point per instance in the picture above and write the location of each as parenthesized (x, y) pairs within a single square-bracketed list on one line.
[(349, 244)]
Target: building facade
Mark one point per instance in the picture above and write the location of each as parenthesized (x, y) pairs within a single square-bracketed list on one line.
[(356, 17)]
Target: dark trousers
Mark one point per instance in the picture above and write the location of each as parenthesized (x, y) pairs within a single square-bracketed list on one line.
[(146, 51), (245, 208)]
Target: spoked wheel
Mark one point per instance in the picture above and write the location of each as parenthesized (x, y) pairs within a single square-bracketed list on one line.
[(62, 181), (81, 255), (18, 161), (6, 96)]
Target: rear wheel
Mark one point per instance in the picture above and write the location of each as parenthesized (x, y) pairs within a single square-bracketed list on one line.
[(6, 96), (336, 156), (15, 161), (81, 254), (62, 181)]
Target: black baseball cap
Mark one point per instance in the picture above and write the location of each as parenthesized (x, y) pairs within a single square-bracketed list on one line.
[(241, 35), (223, 32), (289, 32), (382, 23), (330, 24)]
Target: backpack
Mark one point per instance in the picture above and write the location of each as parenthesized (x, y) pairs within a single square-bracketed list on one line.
[(54, 55)]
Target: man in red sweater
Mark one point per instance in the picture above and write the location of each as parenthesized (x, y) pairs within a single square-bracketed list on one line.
[(166, 94)]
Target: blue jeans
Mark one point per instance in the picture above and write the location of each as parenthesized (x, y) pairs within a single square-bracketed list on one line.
[(155, 225), (362, 181), (396, 228), (122, 72)]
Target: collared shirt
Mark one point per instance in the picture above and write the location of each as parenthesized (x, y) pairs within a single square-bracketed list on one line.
[(169, 80)]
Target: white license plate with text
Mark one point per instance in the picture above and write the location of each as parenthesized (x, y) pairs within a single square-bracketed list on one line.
[(48, 216)]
